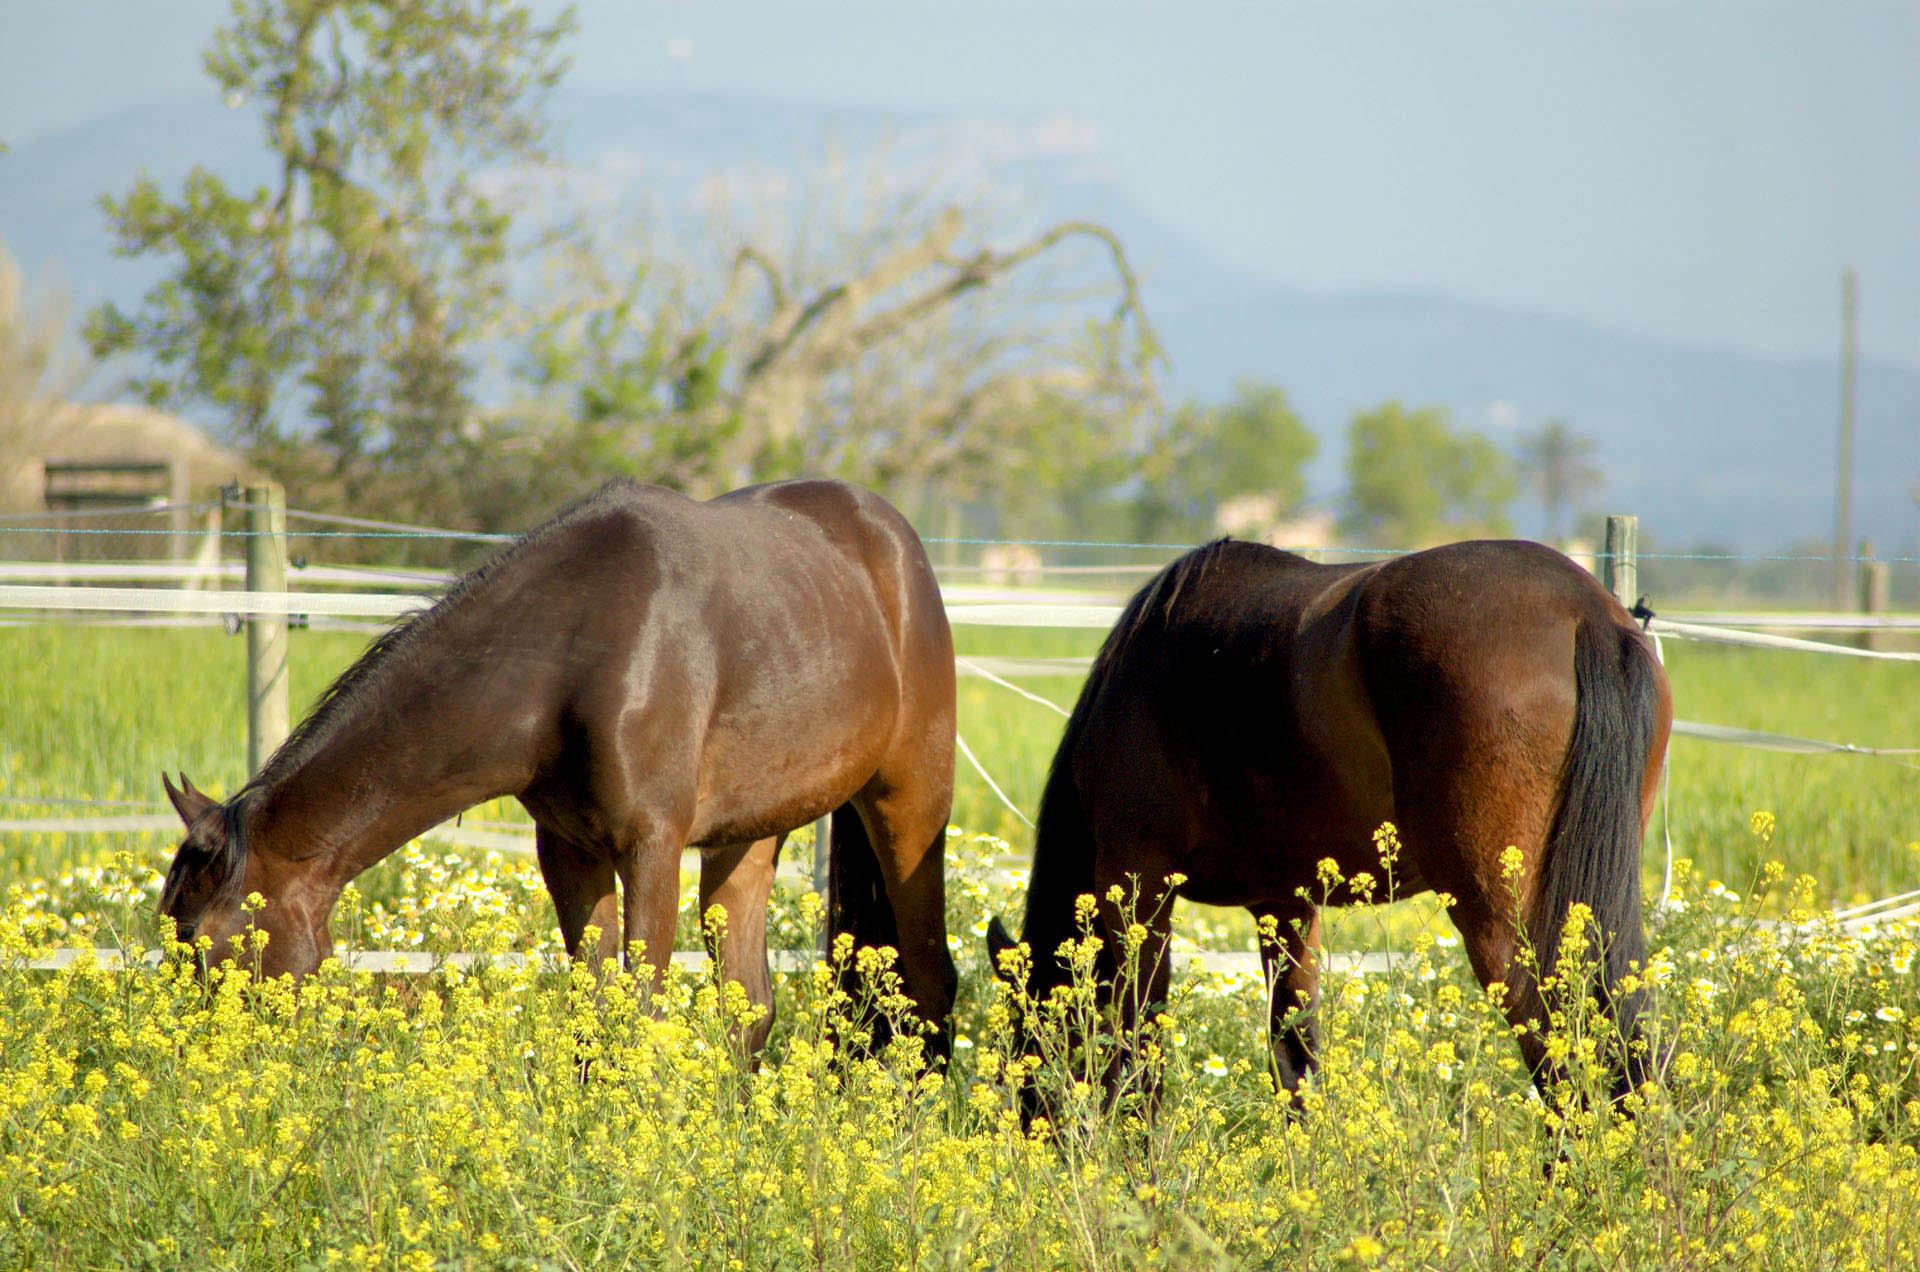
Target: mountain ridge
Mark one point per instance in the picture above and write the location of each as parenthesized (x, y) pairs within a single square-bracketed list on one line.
[(1706, 443)]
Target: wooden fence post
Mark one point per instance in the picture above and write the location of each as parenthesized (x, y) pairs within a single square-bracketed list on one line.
[(1619, 560), (1872, 585), (178, 491), (822, 862), (267, 714)]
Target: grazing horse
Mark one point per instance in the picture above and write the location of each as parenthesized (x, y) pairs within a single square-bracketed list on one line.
[(1253, 712), (644, 672)]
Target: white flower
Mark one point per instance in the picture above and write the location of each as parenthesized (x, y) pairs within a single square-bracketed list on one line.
[(1214, 1067), (1889, 1014)]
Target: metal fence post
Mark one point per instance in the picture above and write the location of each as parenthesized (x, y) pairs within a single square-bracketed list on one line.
[(1619, 560), (267, 713)]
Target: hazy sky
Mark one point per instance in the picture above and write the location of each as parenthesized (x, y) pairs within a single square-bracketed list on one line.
[(1700, 171)]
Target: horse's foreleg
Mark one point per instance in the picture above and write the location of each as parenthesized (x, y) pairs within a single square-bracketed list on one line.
[(581, 883), (649, 870), (909, 839), (1290, 956), (1138, 954), (739, 879)]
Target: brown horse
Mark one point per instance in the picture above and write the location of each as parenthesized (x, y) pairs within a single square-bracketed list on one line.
[(1253, 712), (644, 673)]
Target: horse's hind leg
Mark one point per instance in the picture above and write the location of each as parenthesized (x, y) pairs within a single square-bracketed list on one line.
[(580, 881), (739, 878), (1290, 956), (1491, 935)]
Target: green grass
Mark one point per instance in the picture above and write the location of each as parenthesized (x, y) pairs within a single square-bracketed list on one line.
[(99, 713)]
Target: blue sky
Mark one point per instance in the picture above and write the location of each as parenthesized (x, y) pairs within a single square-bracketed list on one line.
[(1696, 171)]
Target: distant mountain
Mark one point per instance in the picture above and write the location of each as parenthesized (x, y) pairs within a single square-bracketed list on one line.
[(1707, 445)]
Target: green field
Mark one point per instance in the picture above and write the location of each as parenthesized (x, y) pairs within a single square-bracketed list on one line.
[(97, 713)]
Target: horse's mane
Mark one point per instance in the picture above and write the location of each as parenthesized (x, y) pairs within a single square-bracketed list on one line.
[(1063, 842), (404, 636), (1154, 607)]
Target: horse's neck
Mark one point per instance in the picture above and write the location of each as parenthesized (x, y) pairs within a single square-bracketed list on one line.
[(392, 763), (1062, 870)]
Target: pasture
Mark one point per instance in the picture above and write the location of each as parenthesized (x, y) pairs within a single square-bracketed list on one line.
[(372, 1121)]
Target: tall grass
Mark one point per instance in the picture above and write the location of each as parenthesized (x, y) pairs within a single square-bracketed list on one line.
[(99, 713)]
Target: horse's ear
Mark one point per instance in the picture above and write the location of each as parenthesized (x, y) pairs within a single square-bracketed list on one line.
[(998, 939), (187, 800)]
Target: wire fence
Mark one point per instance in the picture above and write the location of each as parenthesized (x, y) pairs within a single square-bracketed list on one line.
[(75, 568), (76, 523)]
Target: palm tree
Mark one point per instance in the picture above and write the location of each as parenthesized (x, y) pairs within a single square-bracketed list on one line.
[(1558, 464)]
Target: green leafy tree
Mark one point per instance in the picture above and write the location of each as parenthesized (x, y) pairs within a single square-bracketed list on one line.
[(1253, 444), (1558, 466), (1413, 480), (334, 318)]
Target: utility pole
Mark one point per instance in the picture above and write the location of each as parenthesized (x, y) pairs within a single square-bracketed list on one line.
[(1843, 490)]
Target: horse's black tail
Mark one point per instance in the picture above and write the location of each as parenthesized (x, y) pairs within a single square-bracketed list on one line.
[(1593, 850), (857, 901)]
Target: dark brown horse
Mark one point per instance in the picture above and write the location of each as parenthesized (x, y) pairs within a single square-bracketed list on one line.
[(644, 673), (1254, 712)]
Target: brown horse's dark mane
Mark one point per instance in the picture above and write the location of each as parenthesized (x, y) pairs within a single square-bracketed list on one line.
[(1063, 844), (1157, 606), (396, 642)]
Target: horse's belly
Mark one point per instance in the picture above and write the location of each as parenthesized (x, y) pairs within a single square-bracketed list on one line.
[(1264, 853), (778, 759)]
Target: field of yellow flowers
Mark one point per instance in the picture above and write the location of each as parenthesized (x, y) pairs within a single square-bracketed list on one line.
[(529, 1116), (522, 1117)]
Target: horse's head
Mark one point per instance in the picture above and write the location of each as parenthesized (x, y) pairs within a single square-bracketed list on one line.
[(212, 875)]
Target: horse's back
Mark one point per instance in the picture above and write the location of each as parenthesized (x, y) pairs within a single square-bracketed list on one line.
[(764, 540), (783, 637)]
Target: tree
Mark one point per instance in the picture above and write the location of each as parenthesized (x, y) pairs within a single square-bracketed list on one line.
[(1413, 480), (911, 354), (334, 318), (1557, 463), (1252, 444)]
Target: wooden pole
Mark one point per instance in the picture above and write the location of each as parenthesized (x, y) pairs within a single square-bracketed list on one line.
[(1619, 560), (1843, 478), (267, 714), (822, 860), (177, 491), (1872, 585)]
